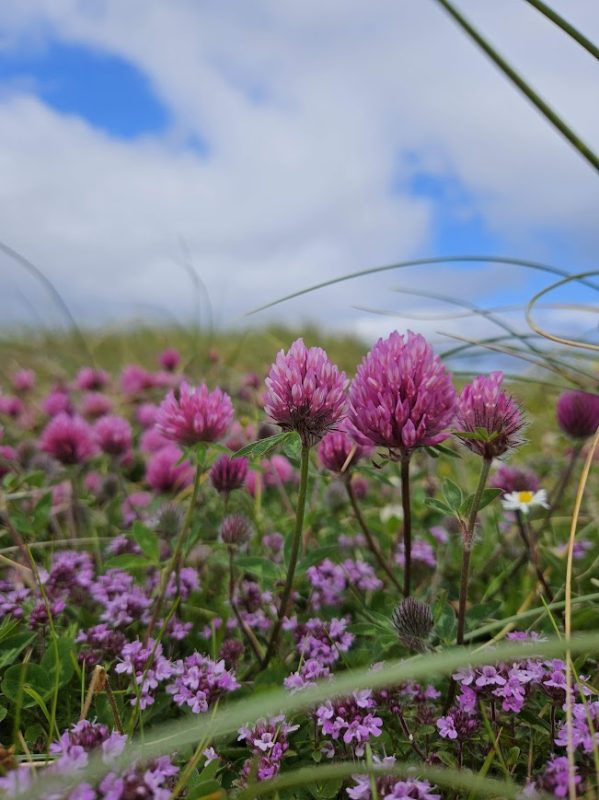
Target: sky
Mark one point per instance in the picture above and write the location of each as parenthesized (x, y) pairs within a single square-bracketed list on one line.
[(271, 145)]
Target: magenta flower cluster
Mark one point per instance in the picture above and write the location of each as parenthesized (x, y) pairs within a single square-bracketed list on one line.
[(192, 414), (305, 392), (402, 397), (488, 421), (578, 413)]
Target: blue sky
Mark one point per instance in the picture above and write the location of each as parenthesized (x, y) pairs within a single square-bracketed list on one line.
[(274, 158)]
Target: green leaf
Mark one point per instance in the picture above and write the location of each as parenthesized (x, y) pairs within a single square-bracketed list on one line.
[(259, 565), (453, 494), (147, 540), (32, 676), (316, 556), (13, 646), (65, 647), (438, 505), (126, 561), (262, 447), (487, 497)]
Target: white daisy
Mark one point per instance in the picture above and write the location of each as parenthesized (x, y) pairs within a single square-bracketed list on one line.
[(524, 501)]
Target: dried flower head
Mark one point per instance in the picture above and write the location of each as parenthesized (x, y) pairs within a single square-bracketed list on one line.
[(578, 413), (305, 392), (193, 414), (488, 420), (402, 397), (414, 622), (235, 530)]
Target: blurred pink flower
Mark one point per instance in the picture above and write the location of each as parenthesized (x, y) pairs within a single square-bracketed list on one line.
[(69, 439)]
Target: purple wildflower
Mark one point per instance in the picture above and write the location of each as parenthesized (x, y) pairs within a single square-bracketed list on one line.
[(488, 421), (135, 661), (350, 719), (94, 405), (402, 397), (68, 439), (169, 359), (578, 413), (164, 473), (199, 682), (23, 380), (305, 392), (268, 743), (114, 435), (390, 787), (514, 479), (193, 414), (91, 379), (228, 474), (337, 450)]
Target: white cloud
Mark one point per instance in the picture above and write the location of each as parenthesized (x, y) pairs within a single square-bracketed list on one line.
[(309, 111)]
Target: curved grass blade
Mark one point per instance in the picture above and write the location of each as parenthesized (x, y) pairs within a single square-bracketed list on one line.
[(552, 116), (422, 262), (565, 26), (172, 736), (540, 331)]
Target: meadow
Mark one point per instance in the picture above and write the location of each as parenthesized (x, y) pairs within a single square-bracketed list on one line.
[(378, 584)]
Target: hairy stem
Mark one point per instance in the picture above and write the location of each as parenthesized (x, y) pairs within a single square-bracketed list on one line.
[(370, 540), (528, 538), (468, 537), (245, 630), (295, 548), (173, 562), (407, 522)]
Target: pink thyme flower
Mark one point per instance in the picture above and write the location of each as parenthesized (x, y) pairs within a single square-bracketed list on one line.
[(114, 435), (193, 414), (402, 397), (68, 439), (305, 392), (488, 421), (578, 413), (228, 474), (169, 359)]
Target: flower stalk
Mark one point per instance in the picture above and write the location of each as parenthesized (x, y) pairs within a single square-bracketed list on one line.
[(295, 549)]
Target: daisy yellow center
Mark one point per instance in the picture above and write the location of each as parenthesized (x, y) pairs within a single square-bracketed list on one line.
[(525, 497)]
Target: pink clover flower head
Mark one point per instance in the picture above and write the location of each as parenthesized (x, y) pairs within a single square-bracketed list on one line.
[(94, 405), (57, 401), (23, 380), (488, 420), (169, 359), (228, 474), (90, 379), (11, 406), (69, 439), (578, 413), (305, 392), (146, 414), (114, 435), (135, 380), (8, 455), (338, 450), (402, 396), (164, 473), (192, 414), (514, 479)]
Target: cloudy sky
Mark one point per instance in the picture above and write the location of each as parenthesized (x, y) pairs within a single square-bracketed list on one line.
[(272, 144)]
